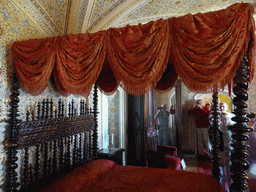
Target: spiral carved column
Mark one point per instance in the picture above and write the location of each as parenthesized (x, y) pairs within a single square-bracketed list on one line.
[(11, 183), (239, 178), (95, 113), (215, 121)]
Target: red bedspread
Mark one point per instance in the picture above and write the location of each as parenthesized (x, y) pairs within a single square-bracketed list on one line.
[(105, 175)]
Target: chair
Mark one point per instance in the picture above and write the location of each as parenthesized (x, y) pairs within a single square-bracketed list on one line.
[(168, 150), (165, 157)]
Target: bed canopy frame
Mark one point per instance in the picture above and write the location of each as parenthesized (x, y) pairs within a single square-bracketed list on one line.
[(206, 51)]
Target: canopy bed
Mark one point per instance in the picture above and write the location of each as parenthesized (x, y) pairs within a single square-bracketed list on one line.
[(206, 51)]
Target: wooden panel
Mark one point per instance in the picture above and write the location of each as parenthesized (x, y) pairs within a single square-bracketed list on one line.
[(136, 131)]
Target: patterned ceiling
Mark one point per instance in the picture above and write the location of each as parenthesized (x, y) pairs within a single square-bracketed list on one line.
[(59, 17)]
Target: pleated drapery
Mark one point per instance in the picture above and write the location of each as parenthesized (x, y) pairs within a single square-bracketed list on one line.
[(204, 50)]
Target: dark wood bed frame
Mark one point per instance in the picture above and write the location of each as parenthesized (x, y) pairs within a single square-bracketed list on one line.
[(62, 143), (52, 140)]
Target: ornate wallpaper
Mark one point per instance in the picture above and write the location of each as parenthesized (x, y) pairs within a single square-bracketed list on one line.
[(16, 26)]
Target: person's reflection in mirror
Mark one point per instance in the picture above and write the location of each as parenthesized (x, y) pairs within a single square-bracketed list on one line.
[(162, 117)]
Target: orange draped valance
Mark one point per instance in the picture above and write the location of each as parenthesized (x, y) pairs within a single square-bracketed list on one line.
[(204, 50)]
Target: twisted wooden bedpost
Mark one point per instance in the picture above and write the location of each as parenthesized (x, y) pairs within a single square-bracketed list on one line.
[(215, 120), (95, 131), (239, 178), (11, 182)]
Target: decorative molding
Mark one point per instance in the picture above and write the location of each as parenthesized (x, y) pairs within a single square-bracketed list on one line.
[(88, 15), (117, 11), (83, 9), (73, 21), (67, 16)]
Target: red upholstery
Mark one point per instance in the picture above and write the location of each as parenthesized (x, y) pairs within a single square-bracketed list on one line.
[(172, 162), (204, 167), (164, 157), (168, 150)]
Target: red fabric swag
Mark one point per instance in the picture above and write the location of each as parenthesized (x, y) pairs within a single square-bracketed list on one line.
[(204, 50)]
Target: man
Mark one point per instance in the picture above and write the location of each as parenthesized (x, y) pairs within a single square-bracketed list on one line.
[(163, 124), (201, 114)]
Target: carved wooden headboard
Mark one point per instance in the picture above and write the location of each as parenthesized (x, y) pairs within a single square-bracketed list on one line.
[(52, 140)]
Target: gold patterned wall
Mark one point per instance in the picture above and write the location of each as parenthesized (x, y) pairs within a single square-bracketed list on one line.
[(17, 24)]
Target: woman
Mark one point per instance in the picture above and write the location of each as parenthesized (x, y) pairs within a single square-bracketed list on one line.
[(252, 138)]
